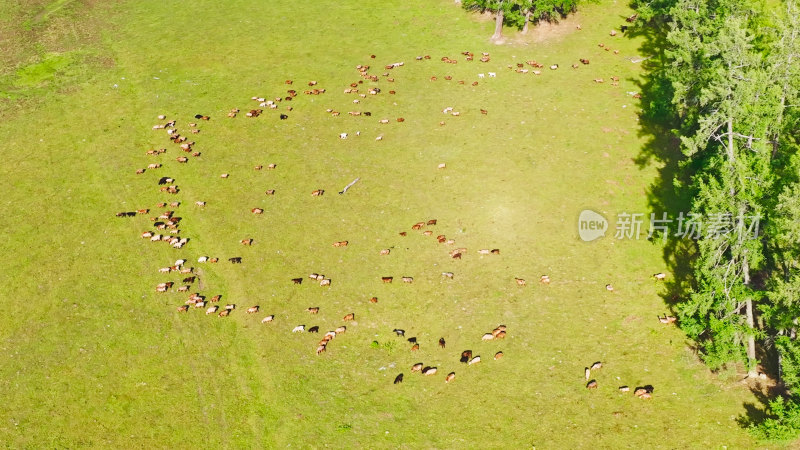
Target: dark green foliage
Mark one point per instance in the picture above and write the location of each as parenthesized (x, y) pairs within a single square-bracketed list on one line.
[(789, 350), (725, 345), (783, 423), (514, 11)]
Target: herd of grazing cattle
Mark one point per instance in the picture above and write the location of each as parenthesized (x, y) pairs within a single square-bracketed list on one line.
[(166, 224)]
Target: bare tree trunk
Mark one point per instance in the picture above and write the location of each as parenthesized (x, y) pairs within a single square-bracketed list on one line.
[(751, 338), (730, 144), (498, 23), (751, 341), (527, 21)]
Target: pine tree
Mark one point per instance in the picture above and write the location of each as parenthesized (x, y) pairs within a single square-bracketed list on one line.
[(722, 93)]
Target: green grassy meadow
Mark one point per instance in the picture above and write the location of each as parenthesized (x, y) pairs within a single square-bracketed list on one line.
[(92, 356)]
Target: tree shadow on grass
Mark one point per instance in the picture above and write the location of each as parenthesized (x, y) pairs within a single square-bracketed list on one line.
[(668, 193)]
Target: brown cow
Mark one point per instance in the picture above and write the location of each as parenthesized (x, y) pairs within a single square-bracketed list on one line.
[(429, 371), (350, 316)]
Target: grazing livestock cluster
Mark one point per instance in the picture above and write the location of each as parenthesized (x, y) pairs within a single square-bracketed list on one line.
[(644, 393), (165, 226)]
